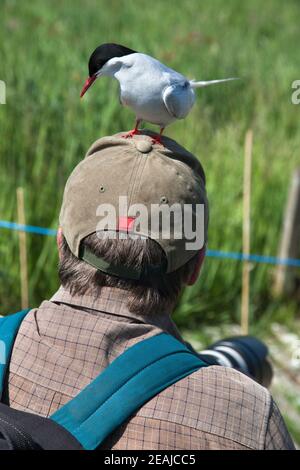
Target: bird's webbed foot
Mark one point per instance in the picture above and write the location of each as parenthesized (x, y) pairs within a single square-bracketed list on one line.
[(130, 134), (157, 138)]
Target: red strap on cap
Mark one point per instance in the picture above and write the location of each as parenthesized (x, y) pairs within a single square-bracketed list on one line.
[(126, 224)]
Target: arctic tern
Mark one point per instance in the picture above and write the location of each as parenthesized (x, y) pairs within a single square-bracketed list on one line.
[(156, 93)]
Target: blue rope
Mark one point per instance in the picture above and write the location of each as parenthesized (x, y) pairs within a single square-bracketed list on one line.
[(210, 253), (253, 258), (27, 228)]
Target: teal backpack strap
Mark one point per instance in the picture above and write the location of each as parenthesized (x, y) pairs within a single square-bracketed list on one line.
[(9, 327), (132, 379)]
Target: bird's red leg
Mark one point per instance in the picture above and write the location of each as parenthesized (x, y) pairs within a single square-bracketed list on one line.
[(157, 139), (134, 131)]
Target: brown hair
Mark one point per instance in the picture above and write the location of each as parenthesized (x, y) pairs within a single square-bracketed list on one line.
[(155, 295)]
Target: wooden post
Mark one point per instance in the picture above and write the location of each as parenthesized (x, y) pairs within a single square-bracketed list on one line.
[(289, 245), (246, 233), (22, 250)]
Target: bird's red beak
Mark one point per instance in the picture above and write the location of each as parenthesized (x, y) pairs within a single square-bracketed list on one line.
[(89, 81)]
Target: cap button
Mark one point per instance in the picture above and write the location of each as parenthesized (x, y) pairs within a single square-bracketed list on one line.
[(143, 146)]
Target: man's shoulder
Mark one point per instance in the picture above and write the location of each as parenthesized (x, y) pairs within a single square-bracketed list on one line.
[(219, 401), (231, 404), (232, 389), (229, 384)]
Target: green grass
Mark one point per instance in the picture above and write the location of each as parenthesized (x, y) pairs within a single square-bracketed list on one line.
[(45, 129)]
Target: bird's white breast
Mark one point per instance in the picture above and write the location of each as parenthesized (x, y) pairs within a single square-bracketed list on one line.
[(143, 80)]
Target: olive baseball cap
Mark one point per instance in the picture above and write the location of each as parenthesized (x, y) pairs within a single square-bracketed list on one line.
[(123, 185)]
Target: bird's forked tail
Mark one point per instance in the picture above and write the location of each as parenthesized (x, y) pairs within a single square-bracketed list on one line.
[(202, 84)]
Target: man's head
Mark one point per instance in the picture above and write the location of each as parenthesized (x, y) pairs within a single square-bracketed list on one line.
[(134, 216)]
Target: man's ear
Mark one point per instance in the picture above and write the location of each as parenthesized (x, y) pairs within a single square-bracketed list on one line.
[(59, 239), (200, 258)]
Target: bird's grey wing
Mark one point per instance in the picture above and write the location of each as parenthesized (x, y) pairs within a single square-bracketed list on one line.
[(179, 99)]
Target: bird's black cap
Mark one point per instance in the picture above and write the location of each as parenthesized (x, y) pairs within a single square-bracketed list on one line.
[(105, 52)]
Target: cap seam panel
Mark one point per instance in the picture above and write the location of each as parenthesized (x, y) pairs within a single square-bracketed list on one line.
[(132, 185), (137, 184), (132, 176)]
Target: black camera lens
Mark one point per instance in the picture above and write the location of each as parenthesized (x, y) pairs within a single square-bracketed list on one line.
[(243, 353)]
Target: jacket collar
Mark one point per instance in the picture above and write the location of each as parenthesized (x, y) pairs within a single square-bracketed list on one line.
[(113, 301)]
